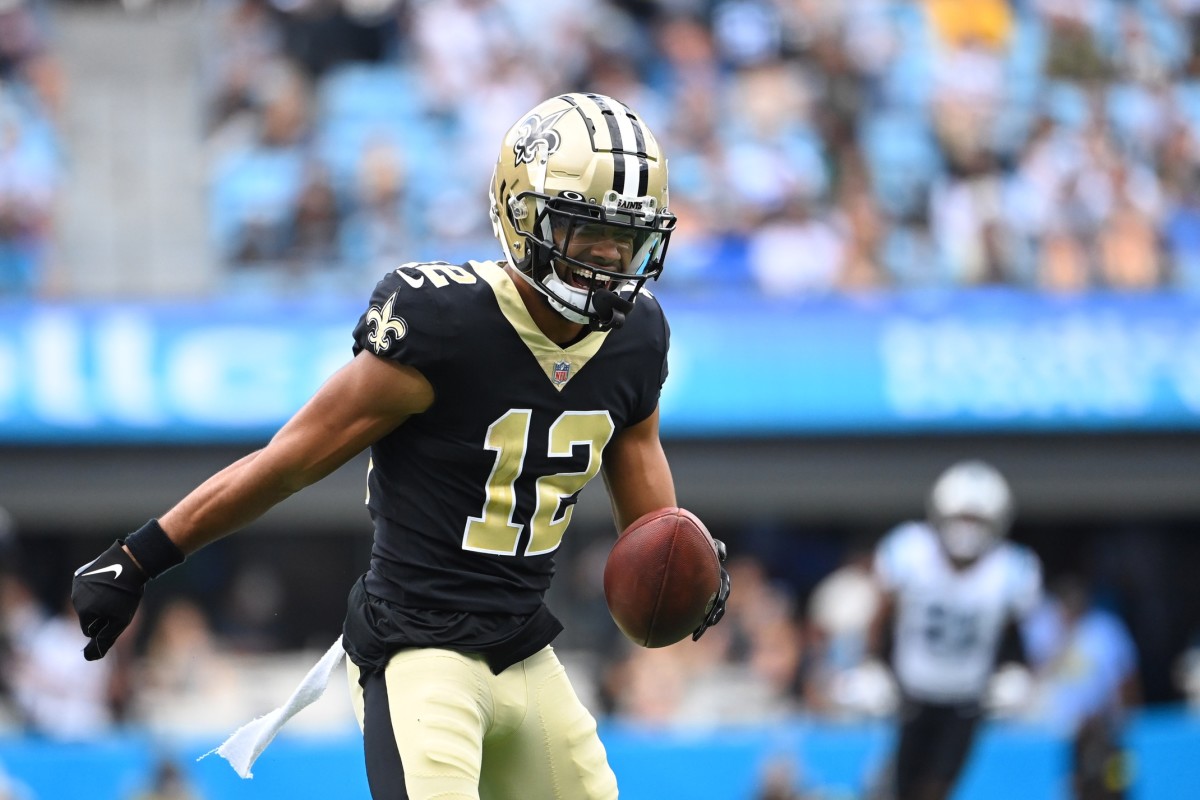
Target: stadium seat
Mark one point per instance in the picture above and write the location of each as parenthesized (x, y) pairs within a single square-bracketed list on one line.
[(260, 184)]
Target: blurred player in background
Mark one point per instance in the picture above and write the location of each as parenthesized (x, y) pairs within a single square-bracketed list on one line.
[(954, 591), (489, 393), (1088, 680)]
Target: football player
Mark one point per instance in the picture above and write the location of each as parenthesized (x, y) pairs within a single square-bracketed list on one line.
[(955, 591), (490, 393)]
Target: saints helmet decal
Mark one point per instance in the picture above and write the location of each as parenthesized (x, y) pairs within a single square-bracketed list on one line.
[(534, 131)]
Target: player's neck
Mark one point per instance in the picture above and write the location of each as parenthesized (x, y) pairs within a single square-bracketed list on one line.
[(557, 328)]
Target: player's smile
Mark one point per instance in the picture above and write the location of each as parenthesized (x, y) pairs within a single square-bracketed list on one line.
[(582, 277)]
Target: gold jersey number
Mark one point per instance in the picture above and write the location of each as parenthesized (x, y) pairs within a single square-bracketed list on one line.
[(495, 530)]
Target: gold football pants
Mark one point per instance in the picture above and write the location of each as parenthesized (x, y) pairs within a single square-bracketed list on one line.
[(438, 724)]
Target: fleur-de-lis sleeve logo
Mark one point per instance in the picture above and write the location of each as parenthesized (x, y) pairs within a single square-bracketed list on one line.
[(534, 131), (387, 327)]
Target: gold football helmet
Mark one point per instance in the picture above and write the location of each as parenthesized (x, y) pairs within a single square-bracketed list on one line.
[(577, 169)]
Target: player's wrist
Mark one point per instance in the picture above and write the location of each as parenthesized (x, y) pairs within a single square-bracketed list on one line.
[(152, 550)]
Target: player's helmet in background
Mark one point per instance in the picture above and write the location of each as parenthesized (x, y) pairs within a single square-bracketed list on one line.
[(580, 160), (971, 508)]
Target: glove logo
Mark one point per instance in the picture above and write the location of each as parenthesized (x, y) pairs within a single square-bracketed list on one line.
[(115, 569)]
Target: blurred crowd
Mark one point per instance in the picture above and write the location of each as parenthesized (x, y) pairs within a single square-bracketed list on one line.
[(31, 159), (814, 146)]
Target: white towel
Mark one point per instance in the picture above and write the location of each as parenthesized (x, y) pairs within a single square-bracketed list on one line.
[(248, 742)]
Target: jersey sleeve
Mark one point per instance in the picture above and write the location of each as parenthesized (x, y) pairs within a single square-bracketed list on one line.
[(661, 338), (1025, 581), (404, 322), (893, 556)]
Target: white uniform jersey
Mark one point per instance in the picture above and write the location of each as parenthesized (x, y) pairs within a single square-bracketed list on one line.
[(948, 622)]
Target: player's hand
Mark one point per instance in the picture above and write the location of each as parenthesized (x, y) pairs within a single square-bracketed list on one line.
[(865, 689), (717, 610), (1010, 691), (106, 593)]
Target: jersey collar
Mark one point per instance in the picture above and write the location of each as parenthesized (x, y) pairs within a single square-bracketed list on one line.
[(559, 363)]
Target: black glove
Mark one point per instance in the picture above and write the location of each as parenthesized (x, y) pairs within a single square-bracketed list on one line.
[(106, 591), (717, 610)]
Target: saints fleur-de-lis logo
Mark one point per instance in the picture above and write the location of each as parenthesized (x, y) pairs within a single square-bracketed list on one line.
[(535, 130), (388, 328)]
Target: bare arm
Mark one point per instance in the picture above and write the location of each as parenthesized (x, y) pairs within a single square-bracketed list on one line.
[(636, 472), (361, 402)]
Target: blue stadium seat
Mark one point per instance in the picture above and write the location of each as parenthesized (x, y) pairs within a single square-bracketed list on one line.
[(370, 93), (358, 104), (908, 82), (341, 143), (260, 184)]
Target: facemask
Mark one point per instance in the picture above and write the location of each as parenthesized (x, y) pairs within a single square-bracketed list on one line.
[(965, 539)]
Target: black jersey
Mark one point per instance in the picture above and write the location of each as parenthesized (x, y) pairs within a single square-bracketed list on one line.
[(471, 498)]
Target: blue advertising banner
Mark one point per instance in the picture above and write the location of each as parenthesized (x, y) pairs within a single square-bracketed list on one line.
[(973, 361), (969, 361)]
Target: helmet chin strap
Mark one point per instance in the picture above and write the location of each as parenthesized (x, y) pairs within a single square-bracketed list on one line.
[(611, 308)]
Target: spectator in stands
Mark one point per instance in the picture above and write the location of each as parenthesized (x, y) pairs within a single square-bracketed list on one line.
[(27, 56), (379, 231), (59, 695), (260, 173), (841, 610), (1004, 130), (1064, 265), (28, 186), (796, 251), (246, 40), (744, 670), (186, 682), (1128, 249), (315, 237)]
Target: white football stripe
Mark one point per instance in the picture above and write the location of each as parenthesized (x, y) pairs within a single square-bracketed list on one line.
[(628, 143)]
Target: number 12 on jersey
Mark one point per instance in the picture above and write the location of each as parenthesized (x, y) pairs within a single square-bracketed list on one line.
[(495, 530)]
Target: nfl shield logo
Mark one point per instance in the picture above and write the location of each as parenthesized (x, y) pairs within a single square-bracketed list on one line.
[(562, 371)]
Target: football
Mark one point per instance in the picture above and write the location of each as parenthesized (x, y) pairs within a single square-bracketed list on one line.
[(661, 576)]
